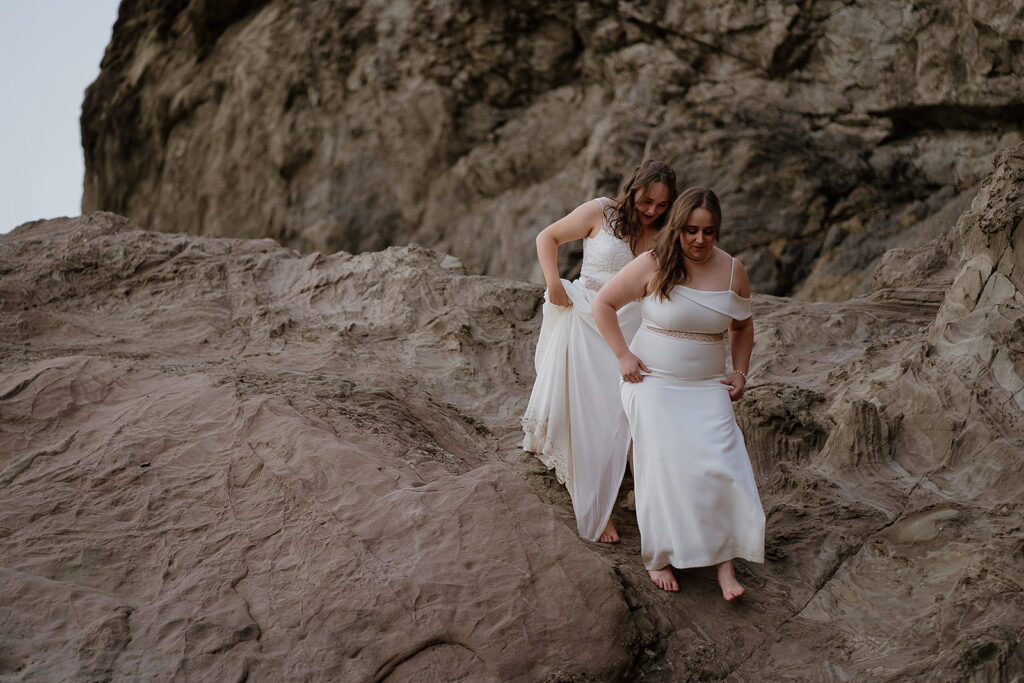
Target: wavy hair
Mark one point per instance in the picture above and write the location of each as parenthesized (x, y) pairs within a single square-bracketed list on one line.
[(623, 217), (668, 249)]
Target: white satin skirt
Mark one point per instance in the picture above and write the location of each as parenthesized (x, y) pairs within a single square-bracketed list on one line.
[(574, 422), (696, 499)]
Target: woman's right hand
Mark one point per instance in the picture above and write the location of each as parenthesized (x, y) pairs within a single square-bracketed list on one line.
[(632, 368), (557, 295)]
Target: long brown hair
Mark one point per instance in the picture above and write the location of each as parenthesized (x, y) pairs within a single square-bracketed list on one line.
[(668, 250), (623, 217)]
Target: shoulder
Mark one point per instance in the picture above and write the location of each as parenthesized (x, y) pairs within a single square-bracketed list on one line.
[(583, 221), (594, 209), (645, 264), (608, 207), (647, 268), (597, 212)]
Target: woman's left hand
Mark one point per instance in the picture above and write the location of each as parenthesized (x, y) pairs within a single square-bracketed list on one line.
[(631, 368), (736, 383)]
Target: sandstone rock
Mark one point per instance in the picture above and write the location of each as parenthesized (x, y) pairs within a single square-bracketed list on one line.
[(357, 125), (983, 314), (924, 441), (221, 458)]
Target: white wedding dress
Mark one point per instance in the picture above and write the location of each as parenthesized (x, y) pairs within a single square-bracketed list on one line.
[(696, 500), (574, 422)]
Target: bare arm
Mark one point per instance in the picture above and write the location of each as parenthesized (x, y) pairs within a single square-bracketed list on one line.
[(629, 284), (582, 222), (741, 339)]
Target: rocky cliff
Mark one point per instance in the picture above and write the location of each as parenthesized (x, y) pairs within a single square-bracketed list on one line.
[(833, 129), (220, 458)]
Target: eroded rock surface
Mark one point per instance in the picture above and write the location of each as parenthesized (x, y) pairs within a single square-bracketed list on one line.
[(220, 458), (902, 410), (833, 130)]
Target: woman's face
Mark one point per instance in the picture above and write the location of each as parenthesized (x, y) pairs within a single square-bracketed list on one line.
[(698, 234), (653, 205)]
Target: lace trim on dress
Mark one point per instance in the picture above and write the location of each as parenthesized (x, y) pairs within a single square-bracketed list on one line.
[(538, 442), (689, 336)]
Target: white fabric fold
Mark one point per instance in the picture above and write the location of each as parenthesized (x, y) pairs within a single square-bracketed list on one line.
[(575, 421)]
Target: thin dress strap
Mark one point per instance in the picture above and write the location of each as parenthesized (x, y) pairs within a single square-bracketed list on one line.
[(732, 271)]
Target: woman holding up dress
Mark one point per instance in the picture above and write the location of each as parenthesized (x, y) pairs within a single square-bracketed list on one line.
[(574, 422), (696, 499)]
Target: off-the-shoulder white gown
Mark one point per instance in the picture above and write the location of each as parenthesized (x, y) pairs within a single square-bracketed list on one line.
[(575, 422), (696, 498)]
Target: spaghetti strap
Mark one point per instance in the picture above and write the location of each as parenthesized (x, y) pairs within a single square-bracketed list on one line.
[(732, 271)]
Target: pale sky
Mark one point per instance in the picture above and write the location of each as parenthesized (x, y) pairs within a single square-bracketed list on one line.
[(50, 51)]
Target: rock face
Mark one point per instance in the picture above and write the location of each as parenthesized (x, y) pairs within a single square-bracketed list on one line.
[(222, 459), (902, 411), (833, 130)]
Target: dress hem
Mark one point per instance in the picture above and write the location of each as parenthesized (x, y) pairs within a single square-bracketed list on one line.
[(553, 461), (711, 561)]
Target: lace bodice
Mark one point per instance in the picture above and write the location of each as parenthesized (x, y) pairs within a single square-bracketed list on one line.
[(604, 254)]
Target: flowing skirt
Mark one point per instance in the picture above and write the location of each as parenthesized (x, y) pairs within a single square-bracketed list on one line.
[(574, 422), (696, 499)]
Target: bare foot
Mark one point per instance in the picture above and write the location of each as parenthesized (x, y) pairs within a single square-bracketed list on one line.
[(609, 535), (731, 588), (665, 579)]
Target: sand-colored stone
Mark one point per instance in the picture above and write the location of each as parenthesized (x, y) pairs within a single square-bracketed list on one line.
[(220, 458), (831, 128)]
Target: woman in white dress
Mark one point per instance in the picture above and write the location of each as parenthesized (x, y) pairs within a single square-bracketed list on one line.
[(696, 500), (574, 422)]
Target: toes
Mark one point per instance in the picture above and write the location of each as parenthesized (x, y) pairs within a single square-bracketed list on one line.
[(733, 593), (666, 582)]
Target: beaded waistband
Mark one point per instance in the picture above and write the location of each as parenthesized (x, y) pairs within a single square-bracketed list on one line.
[(689, 336), (591, 283)]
